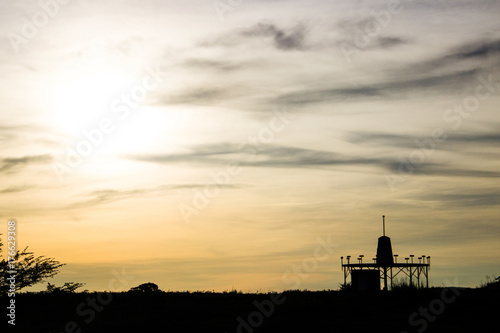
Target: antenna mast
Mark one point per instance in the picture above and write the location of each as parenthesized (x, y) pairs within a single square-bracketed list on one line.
[(383, 223)]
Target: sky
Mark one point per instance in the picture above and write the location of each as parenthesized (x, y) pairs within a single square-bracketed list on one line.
[(219, 145)]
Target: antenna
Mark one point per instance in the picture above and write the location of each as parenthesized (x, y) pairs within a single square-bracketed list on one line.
[(383, 223)]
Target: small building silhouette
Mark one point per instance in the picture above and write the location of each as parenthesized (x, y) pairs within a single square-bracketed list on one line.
[(367, 276)]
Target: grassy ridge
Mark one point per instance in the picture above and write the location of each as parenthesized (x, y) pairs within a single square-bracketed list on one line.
[(473, 310)]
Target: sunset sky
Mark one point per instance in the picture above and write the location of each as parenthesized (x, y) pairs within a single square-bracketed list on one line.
[(214, 144)]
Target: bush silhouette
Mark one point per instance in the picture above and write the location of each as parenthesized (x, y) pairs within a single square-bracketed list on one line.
[(68, 287), (491, 283), (146, 288)]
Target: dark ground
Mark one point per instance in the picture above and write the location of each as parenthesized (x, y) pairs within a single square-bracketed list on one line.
[(473, 310)]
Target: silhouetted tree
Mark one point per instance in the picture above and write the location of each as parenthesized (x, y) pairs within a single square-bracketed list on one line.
[(68, 287), (30, 269), (146, 288)]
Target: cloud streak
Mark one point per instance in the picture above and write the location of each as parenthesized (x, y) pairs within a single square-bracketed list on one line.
[(274, 156), (13, 164), (391, 89), (283, 39), (467, 198), (410, 141), (16, 189), (105, 196)]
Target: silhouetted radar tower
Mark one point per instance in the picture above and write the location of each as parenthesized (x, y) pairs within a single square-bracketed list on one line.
[(384, 253), (367, 276)]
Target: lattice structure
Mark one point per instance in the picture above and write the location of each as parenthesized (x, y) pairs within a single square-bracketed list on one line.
[(386, 263)]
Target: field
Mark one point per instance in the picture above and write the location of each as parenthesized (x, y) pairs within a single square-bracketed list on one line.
[(406, 310)]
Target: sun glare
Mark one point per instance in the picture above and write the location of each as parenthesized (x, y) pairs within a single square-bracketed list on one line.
[(86, 98), (82, 102), (146, 129)]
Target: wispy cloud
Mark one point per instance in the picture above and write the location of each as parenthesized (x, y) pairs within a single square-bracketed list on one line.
[(477, 50), (274, 156), (350, 33), (15, 189), (454, 140), (435, 76), (283, 39), (205, 95), (477, 56), (213, 64), (448, 70), (465, 198), (447, 170), (387, 42), (289, 38), (268, 156), (393, 89), (105, 196), (12, 164)]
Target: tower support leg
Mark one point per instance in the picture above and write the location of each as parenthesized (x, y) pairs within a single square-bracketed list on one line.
[(385, 278), (391, 278)]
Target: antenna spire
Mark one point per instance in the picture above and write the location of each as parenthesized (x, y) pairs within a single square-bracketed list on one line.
[(383, 223)]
